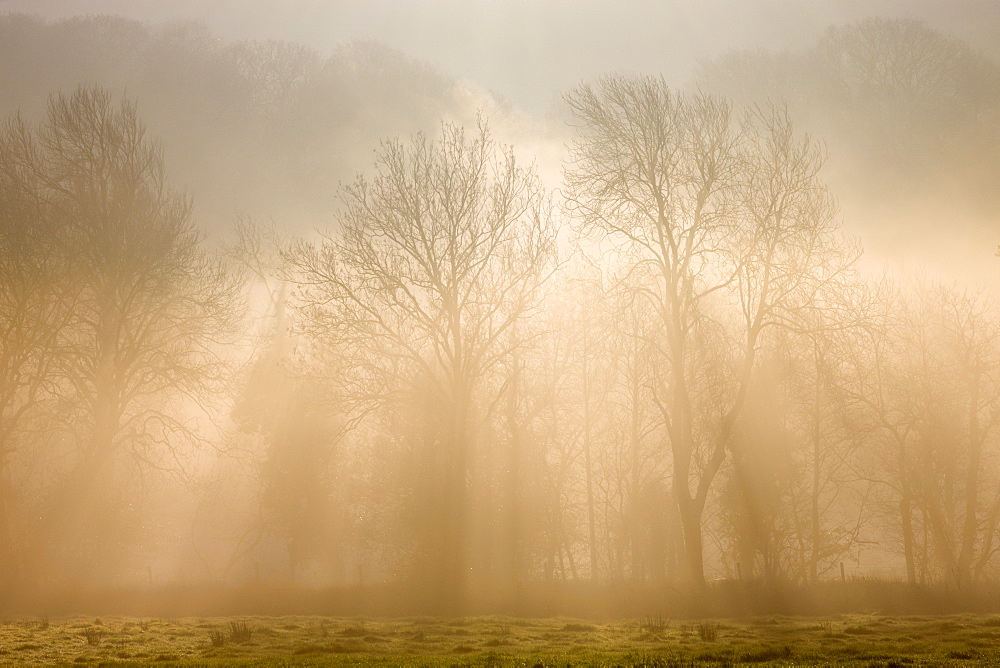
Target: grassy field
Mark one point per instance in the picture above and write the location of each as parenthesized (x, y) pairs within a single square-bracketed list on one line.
[(964, 639)]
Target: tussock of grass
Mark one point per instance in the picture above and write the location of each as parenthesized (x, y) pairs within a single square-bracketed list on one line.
[(859, 631), (708, 631), (218, 637), (577, 628), (961, 655), (767, 654), (240, 631), (654, 624), (496, 642), (354, 631), (93, 635)]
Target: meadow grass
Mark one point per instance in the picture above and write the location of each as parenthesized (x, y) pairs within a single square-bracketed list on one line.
[(846, 640)]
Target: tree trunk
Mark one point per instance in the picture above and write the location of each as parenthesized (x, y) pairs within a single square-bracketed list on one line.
[(814, 519), (635, 493), (515, 514), (8, 559), (588, 462), (690, 516), (905, 514), (452, 575), (970, 528)]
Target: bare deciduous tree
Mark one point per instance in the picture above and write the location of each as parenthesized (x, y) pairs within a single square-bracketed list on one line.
[(151, 306), (438, 255), (35, 301), (709, 210)]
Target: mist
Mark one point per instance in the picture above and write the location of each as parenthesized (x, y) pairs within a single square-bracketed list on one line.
[(525, 309)]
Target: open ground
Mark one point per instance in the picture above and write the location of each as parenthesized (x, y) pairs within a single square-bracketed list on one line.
[(849, 640)]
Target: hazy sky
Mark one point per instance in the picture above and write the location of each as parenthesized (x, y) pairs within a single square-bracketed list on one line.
[(526, 50), (530, 52)]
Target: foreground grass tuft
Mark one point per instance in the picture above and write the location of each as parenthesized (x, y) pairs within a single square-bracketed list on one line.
[(240, 631), (654, 624), (708, 631), (93, 635), (218, 637)]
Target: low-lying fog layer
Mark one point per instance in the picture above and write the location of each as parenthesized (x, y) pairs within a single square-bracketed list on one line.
[(277, 317)]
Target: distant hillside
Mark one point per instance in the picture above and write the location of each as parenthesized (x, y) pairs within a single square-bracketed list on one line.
[(263, 127)]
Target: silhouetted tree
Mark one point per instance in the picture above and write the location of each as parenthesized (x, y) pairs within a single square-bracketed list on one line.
[(151, 307), (706, 208), (36, 299), (438, 255)]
